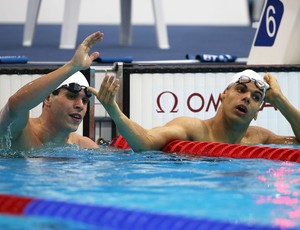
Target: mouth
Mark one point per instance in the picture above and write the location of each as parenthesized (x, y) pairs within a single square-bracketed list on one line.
[(242, 109), (75, 116)]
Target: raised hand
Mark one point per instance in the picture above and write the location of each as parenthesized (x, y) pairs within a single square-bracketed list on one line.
[(274, 92), (81, 59), (108, 91)]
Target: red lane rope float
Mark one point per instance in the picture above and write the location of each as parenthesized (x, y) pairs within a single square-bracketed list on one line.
[(214, 149), (13, 205), (120, 142)]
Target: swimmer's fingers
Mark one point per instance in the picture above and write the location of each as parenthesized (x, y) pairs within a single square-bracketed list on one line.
[(112, 88), (92, 39), (106, 83), (108, 89), (105, 88), (82, 59), (94, 55), (113, 92), (93, 90)]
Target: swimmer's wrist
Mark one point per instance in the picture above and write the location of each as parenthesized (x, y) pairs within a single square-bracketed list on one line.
[(280, 102), (71, 68)]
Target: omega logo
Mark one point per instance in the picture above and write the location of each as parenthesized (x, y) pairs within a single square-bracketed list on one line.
[(202, 103)]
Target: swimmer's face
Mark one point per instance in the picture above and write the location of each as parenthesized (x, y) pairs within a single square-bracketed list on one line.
[(68, 108), (242, 101)]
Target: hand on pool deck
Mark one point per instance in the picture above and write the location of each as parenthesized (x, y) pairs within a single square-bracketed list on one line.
[(241, 101), (65, 97)]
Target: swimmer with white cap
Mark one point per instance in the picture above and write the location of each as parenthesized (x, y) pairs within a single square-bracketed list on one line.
[(65, 97), (247, 76), (240, 103), (75, 83), (77, 78)]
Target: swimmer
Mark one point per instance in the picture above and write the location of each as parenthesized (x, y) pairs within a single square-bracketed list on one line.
[(65, 97), (241, 102)]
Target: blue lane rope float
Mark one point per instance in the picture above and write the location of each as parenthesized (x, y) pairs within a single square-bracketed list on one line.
[(111, 217), (214, 149)]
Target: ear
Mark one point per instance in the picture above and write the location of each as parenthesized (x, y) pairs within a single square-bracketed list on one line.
[(47, 101), (223, 95)]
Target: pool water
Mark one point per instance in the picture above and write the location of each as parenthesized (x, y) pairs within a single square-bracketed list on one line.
[(251, 191)]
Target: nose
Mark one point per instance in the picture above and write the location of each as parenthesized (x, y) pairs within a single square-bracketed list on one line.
[(247, 100), (78, 104), (246, 97)]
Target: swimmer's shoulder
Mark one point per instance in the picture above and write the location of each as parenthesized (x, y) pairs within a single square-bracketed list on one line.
[(258, 135), (82, 141)]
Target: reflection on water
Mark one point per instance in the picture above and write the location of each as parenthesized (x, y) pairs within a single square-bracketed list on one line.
[(286, 199), (236, 190)]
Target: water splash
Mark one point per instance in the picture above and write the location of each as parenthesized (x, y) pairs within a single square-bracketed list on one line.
[(5, 141)]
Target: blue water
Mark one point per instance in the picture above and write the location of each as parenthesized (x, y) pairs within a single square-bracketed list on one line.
[(252, 191)]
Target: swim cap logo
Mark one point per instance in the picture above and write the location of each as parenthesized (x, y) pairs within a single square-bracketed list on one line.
[(270, 23)]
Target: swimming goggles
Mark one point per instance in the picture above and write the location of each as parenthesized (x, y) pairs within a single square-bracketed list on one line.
[(259, 84), (76, 88)]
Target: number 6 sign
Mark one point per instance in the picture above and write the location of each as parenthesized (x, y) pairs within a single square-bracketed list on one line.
[(270, 23), (277, 38)]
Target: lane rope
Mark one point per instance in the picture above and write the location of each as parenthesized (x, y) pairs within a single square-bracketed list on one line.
[(121, 218), (214, 149), (111, 217)]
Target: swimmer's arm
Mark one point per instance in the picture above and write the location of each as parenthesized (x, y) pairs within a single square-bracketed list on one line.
[(36, 91), (260, 135), (293, 117), (137, 137), (277, 99), (15, 113), (9, 125), (141, 139), (17, 109)]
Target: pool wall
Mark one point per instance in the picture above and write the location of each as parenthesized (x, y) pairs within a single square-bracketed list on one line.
[(154, 93)]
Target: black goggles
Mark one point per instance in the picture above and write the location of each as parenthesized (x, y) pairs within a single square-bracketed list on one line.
[(76, 88), (259, 84)]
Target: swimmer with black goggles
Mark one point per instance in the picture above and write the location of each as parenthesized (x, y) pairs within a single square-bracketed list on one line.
[(76, 83), (76, 88)]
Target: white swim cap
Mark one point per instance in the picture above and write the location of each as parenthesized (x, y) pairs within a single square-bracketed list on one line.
[(78, 78), (253, 77)]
